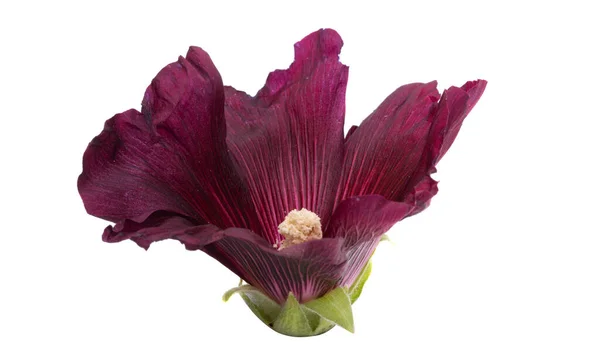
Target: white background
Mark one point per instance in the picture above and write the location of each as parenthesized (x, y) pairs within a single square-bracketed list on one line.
[(503, 267)]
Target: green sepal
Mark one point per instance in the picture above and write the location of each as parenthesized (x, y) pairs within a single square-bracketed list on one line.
[(264, 308), (318, 324), (309, 319), (240, 289), (335, 307), (293, 320)]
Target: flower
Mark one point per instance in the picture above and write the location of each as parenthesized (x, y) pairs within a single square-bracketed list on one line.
[(268, 185)]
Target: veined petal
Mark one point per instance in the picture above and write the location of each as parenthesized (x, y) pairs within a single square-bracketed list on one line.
[(171, 159), (420, 196), (157, 227), (394, 151), (185, 107), (382, 153), (128, 174), (362, 221), (455, 105), (449, 114), (308, 270), (287, 140)]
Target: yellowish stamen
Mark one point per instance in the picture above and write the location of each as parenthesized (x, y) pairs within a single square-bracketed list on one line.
[(300, 226)]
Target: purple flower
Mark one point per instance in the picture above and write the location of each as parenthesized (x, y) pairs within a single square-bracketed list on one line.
[(268, 185)]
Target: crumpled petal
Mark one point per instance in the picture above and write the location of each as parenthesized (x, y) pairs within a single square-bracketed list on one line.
[(361, 221), (287, 140), (453, 108), (159, 226), (420, 196), (446, 120), (127, 174), (171, 158)]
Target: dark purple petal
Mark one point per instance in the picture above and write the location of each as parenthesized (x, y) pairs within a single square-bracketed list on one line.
[(420, 196), (361, 221), (453, 108), (351, 131), (218, 170), (157, 227), (455, 105), (129, 174), (475, 90), (170, 159), (308, 270), (382, 153), (394, 151), (287, 141), (184, 106)]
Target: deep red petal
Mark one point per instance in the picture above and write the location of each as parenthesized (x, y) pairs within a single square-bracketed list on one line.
[(382, 153), (308, 270), (287, 141), (361, 221)]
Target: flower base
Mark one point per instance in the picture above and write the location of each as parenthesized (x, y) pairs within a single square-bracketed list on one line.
[(309, 319)]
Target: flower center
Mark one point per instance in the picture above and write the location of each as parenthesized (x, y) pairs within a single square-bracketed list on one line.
[(300, 226)]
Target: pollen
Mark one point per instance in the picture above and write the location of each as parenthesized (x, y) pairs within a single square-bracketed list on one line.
[(300, 226)]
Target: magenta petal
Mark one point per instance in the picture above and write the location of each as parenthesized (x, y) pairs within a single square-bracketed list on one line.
[(362, 221), (308, 270), (287, 141), (382, 153)]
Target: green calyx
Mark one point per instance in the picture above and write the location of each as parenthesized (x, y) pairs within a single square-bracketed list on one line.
[(309, 319)]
